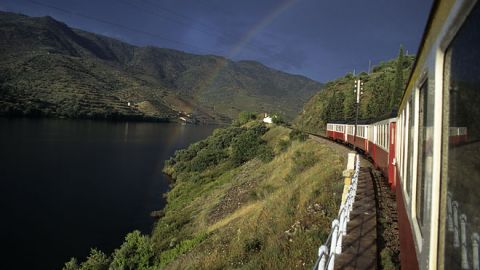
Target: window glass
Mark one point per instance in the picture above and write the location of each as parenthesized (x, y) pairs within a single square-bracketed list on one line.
[(387, 135), (384, 135), (381, 135), (425, 152), (411, 133), (460, 221)]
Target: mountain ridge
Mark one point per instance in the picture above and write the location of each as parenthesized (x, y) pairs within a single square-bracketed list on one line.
[(50, 69)]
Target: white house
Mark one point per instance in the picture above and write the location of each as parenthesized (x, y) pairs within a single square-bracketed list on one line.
[(267, 119)]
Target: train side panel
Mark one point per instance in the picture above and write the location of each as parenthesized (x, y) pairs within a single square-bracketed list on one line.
[(408, 254), (360, 143), (381, 160)]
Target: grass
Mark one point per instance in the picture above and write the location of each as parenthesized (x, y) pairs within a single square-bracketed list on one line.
[(272, 227)]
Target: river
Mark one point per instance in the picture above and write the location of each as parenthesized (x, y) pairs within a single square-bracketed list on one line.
[(67, 186)]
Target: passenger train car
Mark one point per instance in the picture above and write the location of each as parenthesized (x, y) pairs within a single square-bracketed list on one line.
[(430, 152)]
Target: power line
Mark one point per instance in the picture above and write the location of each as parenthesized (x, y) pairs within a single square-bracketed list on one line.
[(131, 29), (143, 32), (284, 60), (207, 26)]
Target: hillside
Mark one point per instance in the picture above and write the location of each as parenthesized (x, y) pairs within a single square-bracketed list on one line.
[(49, 69), (249, 197), (383, 89)]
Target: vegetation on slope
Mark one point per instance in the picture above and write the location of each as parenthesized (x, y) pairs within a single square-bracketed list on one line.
[(49, 69), (383, 89), (249, 196)]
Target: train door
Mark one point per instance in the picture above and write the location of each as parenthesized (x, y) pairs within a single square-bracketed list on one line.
[(392, 167)]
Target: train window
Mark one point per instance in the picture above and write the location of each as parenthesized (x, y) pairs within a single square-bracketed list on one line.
[(425, 152), (460, 223), (379, 138), (380, 135), (383, 135), (387, 135), (411, 138)]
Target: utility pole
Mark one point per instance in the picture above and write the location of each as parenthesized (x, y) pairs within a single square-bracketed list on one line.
[(359, 91)]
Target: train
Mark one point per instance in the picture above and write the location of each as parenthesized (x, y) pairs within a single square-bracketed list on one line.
[(430, 150)]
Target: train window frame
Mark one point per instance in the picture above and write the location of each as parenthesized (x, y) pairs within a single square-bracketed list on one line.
[(385, 135), (382, 131), (398, 145), (410, 164), (400, 149), (420, 88), (413, 182), (405, 149), (453, 25), (379, 136)]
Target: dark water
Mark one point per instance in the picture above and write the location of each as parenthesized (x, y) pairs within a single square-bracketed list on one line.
[(66, 186)]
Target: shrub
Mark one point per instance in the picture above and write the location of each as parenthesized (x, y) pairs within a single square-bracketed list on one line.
[(244, 117), (277, 119), (283, 145), (244, 147), (298, 135), (207, 157), (252, 245), (186, 245), (265, 153), (136, 252), (303, 161), (71, 265), (386, 260), (97, 260), (259, 129)]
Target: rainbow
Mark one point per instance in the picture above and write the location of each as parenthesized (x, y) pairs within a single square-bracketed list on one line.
[(249, 35)]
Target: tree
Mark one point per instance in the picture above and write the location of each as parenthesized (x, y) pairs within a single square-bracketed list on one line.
[(399, 83), (349, 105)]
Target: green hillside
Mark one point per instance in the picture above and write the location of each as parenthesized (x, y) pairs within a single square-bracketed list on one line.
[(247, 197), (49, 69), (383, 89)]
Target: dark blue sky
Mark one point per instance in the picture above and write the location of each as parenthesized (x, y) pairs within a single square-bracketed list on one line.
[(316, 38)]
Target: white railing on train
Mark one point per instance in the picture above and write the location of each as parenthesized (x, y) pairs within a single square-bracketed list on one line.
[(326, 259), (457, 224)]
